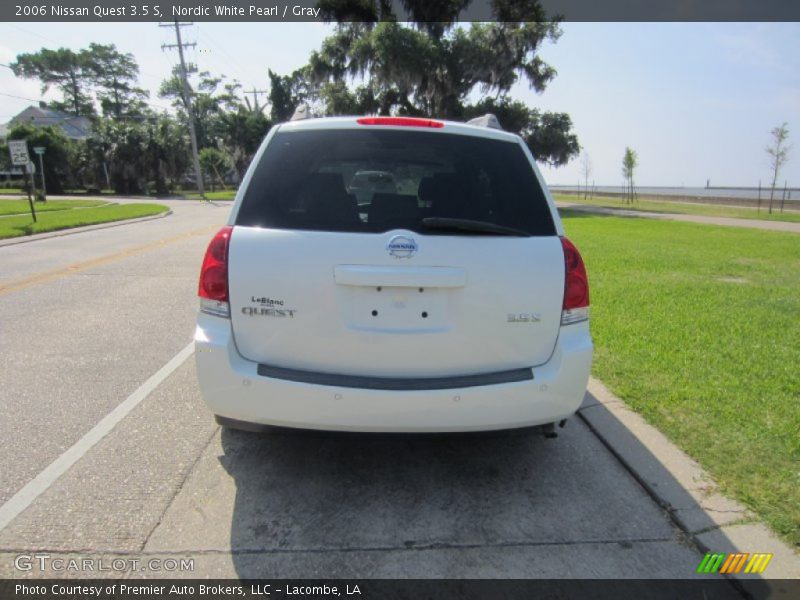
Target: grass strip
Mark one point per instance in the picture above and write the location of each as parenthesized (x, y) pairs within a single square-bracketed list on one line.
[(697, 327), (21, 207), (66, 219), (685, 208)]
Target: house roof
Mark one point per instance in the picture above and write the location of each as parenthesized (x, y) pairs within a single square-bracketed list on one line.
[(76, 128)]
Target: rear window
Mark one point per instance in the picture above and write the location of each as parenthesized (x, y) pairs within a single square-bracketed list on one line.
[(375, 180)]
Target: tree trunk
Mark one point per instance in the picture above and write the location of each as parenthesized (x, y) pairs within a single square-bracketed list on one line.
[(75, 103), (759, 196), (161, 184), (772, 188), (219, 177), (783, 197), (117, 110)]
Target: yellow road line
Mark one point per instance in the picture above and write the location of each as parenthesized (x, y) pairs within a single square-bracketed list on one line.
[(47, 276)]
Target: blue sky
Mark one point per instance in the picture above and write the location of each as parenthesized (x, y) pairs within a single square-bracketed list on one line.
[(695, 100)]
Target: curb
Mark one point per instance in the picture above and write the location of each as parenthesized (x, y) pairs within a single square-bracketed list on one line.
[(691, 498), (61, 232)]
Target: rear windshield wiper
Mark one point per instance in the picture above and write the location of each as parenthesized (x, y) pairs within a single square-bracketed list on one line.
[(470, 225)]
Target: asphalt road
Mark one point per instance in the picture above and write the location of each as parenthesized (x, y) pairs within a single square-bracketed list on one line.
[(87, 319)]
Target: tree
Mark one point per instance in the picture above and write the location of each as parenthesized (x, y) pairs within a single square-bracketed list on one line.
[(5, 159), (115, 76), (101, 67), (548, 135), (63, 68), (240, 133), (586, 170), (778, 153), (174, 147), (629, 163), (222, 120), (215, 163), (286, 93), (432, 72), (207, 100), (433, 68), (138, 152), (57, 172), (126, 144)]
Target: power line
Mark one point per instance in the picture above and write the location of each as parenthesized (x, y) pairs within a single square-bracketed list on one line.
[(29, 32), (20, 97), (187, 99), (229, 63)]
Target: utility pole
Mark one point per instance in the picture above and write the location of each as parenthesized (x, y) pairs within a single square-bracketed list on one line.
[(256, 93), (187, 100)]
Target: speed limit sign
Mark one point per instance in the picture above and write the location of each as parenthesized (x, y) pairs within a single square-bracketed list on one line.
[(19, 152)]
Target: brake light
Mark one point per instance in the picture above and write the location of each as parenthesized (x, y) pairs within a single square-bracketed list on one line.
[(400, 122), (213, 286), (576, 286)]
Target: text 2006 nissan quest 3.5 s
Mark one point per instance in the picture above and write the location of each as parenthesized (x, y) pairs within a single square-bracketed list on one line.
[(393, 274)]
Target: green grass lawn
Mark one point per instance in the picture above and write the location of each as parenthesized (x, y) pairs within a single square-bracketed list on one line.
[(698, 328), (64, 219), (21, 207), (686, 208)]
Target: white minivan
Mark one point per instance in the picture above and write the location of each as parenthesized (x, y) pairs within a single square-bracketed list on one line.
[(452, 303)]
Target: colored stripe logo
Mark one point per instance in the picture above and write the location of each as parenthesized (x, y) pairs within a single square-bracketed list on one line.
[(720, 562)]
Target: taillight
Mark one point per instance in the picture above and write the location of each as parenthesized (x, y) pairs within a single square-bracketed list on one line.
[(576, 286), (213, 286), (400, 121)]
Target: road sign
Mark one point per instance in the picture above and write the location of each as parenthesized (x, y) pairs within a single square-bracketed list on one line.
[(39, 150), (19, 152)]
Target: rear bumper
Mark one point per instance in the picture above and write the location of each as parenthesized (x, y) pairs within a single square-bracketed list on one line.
[(235, 391)]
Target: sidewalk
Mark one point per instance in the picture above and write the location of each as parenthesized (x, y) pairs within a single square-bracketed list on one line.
[(724, 221), (689, 495)]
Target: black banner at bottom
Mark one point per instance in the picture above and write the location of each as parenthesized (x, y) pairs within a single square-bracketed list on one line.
[(389, 589)]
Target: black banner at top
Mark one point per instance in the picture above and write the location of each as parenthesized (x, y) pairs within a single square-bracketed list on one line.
[(400, 10)]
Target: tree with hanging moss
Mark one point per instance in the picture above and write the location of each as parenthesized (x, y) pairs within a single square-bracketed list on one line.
[(433, 66)]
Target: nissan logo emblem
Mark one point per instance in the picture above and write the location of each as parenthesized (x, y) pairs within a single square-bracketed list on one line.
[(401, 246)]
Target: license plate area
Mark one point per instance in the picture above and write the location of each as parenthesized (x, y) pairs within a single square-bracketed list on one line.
[(395, 309)]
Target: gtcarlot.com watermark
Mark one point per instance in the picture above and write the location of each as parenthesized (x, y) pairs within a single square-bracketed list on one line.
[(59, 564)]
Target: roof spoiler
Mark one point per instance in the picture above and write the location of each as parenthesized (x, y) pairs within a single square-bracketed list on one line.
[(487, 120), (301, 113)]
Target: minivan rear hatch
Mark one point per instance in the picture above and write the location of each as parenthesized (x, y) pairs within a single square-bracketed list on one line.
[(394, 252)]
